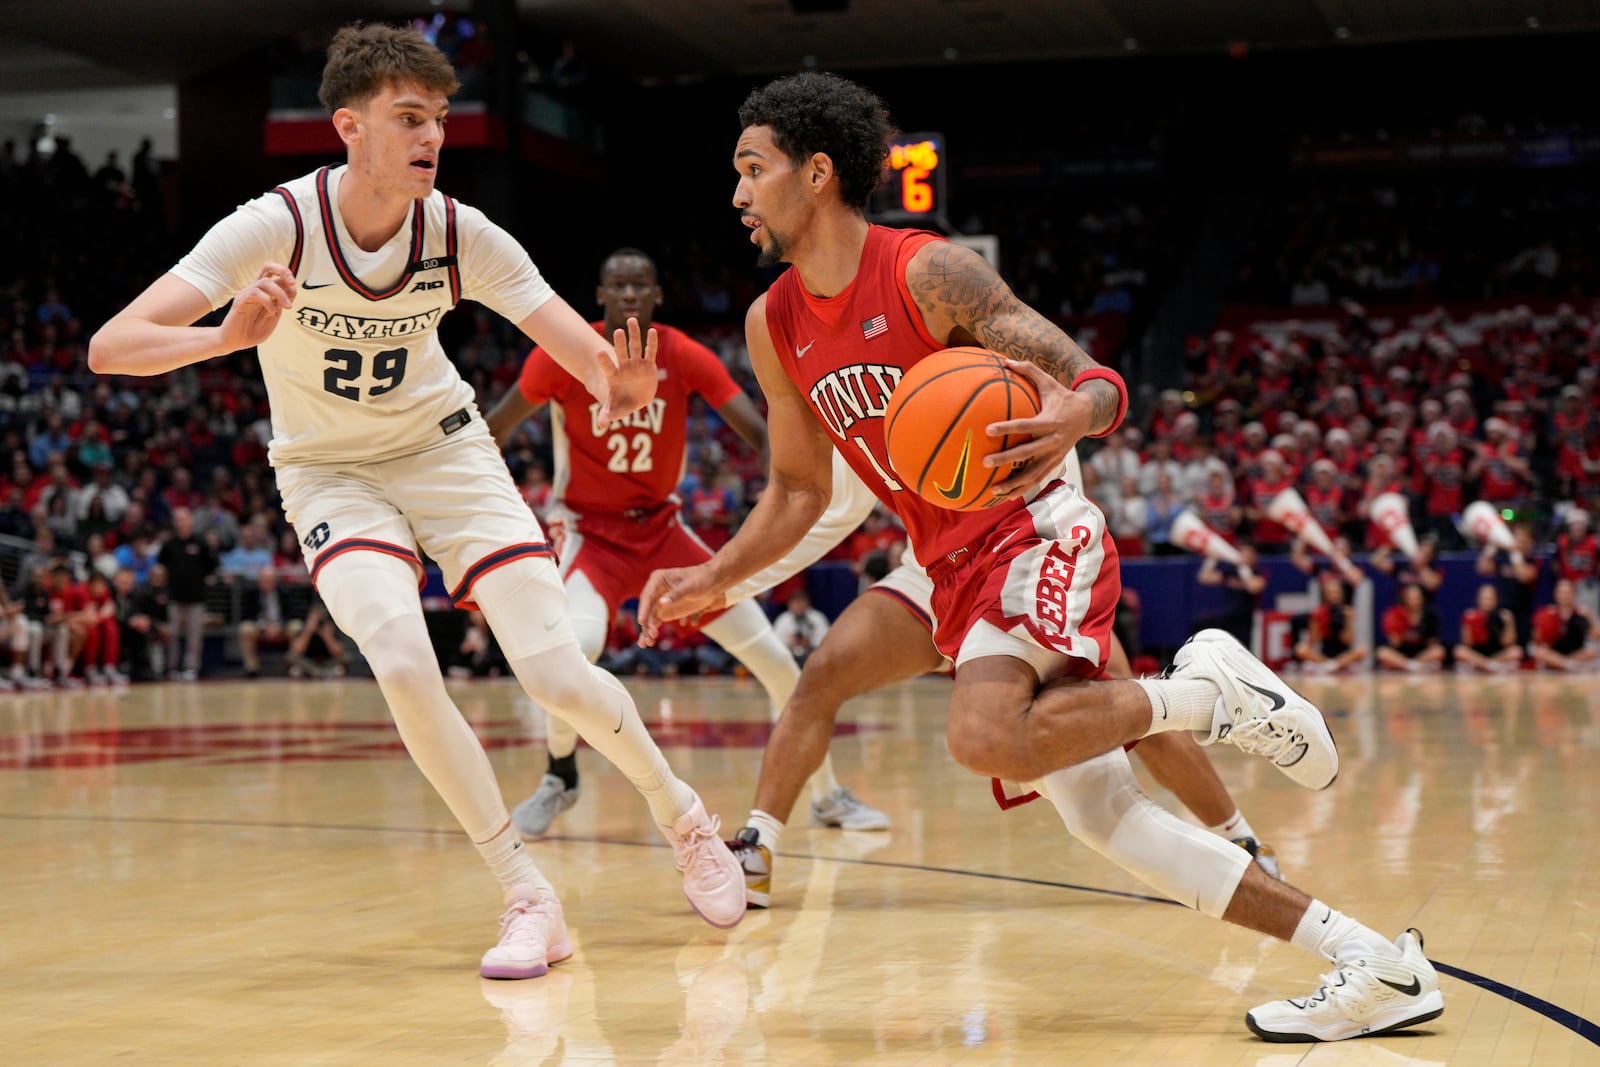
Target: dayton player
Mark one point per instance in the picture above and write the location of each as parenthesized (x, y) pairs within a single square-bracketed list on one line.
[(619, 517), (1024, 590), (340, 279)]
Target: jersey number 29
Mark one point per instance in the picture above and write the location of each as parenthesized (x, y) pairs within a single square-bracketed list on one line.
[(345, 366)]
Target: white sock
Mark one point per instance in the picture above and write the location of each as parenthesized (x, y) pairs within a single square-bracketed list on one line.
[(1234, 827), (668, 796), (1322, 930), (1180, 703), (503, 851), (767, 828)]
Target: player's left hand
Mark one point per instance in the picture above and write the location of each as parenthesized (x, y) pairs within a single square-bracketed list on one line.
[(631, 380), (676, 593), (1064, 417)]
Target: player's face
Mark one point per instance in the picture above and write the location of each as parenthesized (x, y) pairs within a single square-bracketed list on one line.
[(627, 290), (769, 195), (397, 138)]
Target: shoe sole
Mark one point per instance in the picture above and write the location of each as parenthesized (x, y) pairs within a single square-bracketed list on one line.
[(720, 926), (1283, 1038), (1225, 638), (556, 954), (838, 824)]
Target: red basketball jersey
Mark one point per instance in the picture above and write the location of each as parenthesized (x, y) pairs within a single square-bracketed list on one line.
[(635, 462), (846, 353)]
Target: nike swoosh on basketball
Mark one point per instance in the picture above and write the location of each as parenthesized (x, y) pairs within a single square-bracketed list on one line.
[(320, 285), (1276, 698), (953, 490), (1411, 990), (800, 352)]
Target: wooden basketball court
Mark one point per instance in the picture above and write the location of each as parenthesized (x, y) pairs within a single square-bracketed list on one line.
[(254, 873)]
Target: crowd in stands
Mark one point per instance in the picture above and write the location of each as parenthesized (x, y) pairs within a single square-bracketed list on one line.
[(141, 519), (1426, 238)]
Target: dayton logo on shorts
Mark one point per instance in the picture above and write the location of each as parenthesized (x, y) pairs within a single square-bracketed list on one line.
[(1055, 579), (356, 328), (860, 391), (319, 536)]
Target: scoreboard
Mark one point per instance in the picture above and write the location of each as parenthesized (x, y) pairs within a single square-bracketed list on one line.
[(915, 191)]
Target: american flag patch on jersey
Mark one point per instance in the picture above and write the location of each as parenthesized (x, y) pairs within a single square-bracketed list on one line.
[(874, 326)]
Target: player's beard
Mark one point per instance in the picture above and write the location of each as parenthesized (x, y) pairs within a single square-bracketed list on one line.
[(771, 255)]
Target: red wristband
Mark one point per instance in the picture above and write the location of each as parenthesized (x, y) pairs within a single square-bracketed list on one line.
[(1106, 374)]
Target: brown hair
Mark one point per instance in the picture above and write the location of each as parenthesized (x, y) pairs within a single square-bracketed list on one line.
[(362, 59)]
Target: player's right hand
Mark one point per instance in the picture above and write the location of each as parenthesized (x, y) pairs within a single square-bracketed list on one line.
[(256, 308), (676, 593)]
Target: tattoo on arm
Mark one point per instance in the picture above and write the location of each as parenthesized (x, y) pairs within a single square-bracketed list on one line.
[(959, 285)]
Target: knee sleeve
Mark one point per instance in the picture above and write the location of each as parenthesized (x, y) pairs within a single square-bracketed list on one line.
[(365, 590), (745, 633), (591, 702), (526, 607), (1103, 806), (588, 615)]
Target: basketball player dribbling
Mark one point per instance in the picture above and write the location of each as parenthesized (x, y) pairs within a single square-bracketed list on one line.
[(880, 640), (618, 516), (339, 279), (1023, 592)]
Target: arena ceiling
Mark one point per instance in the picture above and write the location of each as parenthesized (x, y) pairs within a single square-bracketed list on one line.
[(50, 44)]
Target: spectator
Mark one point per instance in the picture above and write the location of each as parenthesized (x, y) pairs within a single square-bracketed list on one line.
[(1578, 558), (190, 563), (1161, 507), (138, 630), (1266, 534), (1241, 594), (1418, 571), (102, 634), (250, 556), (64, 626), (1129, 518), (15, 636), (1561, 632), (263, 619), (1328, 645), (801, 627), (52, 440), (318, 626), (1518, 572), (477, 655), (101, 560), (41, 555), (1411, 633), (1488, 636)]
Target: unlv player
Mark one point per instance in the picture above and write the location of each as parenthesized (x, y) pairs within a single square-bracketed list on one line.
[(1023, 591), (618, 516)]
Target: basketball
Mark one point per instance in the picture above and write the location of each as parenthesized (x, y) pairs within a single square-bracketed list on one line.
[(936, 425)]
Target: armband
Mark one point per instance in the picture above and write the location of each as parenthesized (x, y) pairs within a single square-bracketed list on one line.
[(1106, 374)]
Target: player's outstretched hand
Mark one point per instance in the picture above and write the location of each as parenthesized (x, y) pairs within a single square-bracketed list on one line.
[(1064, 417), (631, 381), (255, 310), (676, 593)]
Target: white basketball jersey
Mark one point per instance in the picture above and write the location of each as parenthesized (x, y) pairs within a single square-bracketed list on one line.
[(354, 370)]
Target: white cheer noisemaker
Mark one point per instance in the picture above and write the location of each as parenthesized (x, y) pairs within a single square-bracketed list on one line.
[(1189, 531), (1392, 515), (1288, 509), (1482, 520)]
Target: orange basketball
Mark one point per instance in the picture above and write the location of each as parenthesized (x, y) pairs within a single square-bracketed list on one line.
[(936, 426)]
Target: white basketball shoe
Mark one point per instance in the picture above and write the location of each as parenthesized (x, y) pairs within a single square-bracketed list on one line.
[(533, 935), (1258, 712), (1368, 993)]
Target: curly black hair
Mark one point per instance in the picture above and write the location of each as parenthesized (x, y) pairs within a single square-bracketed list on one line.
[(815, 112)]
